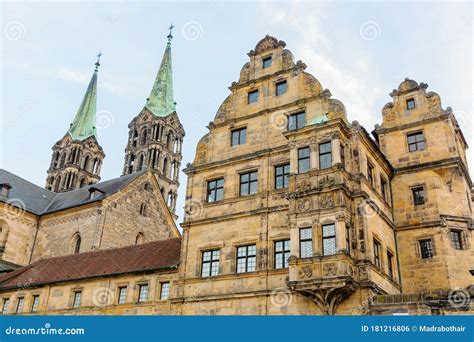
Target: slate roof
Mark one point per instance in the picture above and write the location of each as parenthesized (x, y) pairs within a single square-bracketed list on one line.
[(6, 266), (151, 256), (41, 201)]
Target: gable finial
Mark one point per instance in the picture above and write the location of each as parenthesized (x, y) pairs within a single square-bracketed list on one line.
[(97, 64), (170, 35)]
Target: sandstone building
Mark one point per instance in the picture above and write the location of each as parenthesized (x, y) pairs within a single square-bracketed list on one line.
[(290, 209)]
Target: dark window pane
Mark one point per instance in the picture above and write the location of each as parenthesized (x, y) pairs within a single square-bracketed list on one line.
[(410, 104), (426, 248), (280, 88), (266, 62), (296, 121), (253, 96)]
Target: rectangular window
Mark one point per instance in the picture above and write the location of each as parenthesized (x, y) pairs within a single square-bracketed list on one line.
[(419, 196), (281, 176), (252, 96), (303, 159), (343, 156), (210, 263), (165, 290), (266, 62), (306, 243), (377, 260), (325, 155), (370, 174), (248, 183), (416, 141), (296, 121), (142, 293), (246, 258), (215, 190), (280, 88), (76, 301), (426, 248), (384, 188), (456, 238), (122, 294), (329, 239), (410, 104), (282, 253), (5, 304), (20, 304), (390, 264), (239, 136), (35, 303)]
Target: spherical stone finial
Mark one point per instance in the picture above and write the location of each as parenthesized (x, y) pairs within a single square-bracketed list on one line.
[(407, 84)]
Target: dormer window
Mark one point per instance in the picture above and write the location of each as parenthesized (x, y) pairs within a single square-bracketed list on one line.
[(410, 104), (266, 62), (94, 193), (5, 189)]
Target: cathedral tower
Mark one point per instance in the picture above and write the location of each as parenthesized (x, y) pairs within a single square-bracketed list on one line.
[(77, 157), (156, 134)]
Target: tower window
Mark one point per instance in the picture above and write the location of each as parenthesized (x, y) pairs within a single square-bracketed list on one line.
[(246, 258), (329, 239), (306, 243), (416, 141), (215, 190), (252, 96), (410, 104), (426, 248), (282, 253), (248, 183), (210, 263), (281, 88), (281, 176), (266, 62), (239, 136), (377, 259), (457, 239), (303, 159), (296, 121), (325, 155), (419, 196)]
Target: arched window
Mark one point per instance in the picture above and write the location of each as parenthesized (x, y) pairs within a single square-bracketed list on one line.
[(173, 167), (62, 160), (55, 159), (130, 164), (165, 167), (143, 137), (85, 165), (134, 138), (57, 185), (143, 209), (169, 200), (139, 239), (140, 163), (82, 183), (169, 139), (76, 243), (94, 166)]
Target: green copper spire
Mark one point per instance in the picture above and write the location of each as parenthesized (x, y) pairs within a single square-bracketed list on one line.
[(83, 125), (161, 99)]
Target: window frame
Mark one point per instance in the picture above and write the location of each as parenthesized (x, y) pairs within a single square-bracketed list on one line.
[(419, 144), (416, 198), (247, 257), (302, 240), (283, 252), (145, 298), (370, 174), (249, 96), (211, 262), (165, 287), (20, 305), (429, 250), (409, 101), (5, 305), (459, 243), (384, 188), (76, 299), (241, 136), (321, 155), (281, 83), (215, 190), (265, 60), (295, 117), (119, 294), (284, 175), (390, 257), (328, 237), (377, 253), (304, 159), (249, 182), (34, 303)]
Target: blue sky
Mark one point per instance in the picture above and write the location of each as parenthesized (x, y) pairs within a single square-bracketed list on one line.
[(358, 50)]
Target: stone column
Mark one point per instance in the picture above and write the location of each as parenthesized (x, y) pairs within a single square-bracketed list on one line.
[(293, 158), (341, 245), (336, 149), (317, 239), (294, 240), (313, 157)]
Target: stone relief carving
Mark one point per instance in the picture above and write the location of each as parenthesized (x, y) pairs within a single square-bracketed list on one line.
[(304, 205), (326, 201), (306, 272), (329, 270), (326, 181), (304, 185)]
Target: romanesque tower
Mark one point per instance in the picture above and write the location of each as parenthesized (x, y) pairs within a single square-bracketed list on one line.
[(77, 157), (431, 185), (156, 134)]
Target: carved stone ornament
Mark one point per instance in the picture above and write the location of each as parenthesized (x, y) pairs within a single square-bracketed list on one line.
[(304, 205), (326, 181), (326, 201), (306, 272), (329, 270), (304, 185)]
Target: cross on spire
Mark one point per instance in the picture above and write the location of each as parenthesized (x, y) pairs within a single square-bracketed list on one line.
[(97, 64), (170, 35)]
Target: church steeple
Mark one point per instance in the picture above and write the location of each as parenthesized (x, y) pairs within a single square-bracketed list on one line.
[(161, 100), (83, 125)]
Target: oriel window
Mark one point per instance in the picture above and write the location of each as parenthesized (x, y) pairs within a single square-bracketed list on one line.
[(325, 155), (303, 159), (329, 239), (296, 121), (306, 242)]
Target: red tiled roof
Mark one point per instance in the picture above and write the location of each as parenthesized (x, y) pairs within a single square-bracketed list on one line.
[(144, 257)]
